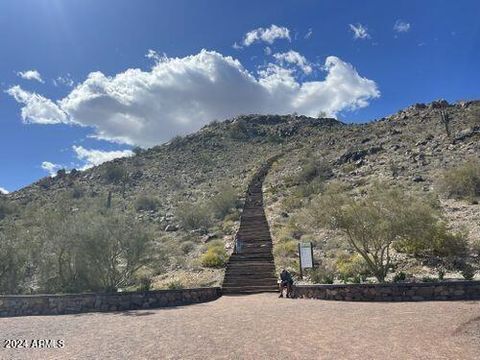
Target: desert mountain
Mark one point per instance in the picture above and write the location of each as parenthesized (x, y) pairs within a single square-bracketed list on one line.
[(188, 193)]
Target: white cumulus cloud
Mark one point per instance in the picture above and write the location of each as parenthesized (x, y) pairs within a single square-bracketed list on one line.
[(30, 75), (401, 26), (309, 34), (359, 31), (180, 95), (268, 35), (37, 109), (293, 57), (51, 168), (3, 191), (94, 157), (64, 80)]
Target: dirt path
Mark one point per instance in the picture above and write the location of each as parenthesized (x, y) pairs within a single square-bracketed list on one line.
[(259, 327)]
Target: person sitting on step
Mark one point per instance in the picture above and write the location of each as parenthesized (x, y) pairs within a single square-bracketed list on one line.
[(286, 281)]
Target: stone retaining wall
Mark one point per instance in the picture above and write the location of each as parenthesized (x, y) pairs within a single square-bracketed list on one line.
[(452, 290), (19, 305)]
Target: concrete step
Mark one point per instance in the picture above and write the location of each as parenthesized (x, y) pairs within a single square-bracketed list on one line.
[(261, 274), (255, 257), (256, 244), (248, 289), (244, 250), (249, 282), (255, 237), (254, 270), (250, 264)]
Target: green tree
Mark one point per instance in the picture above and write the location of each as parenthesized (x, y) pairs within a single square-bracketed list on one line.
[(114, 248), (92, 250), (13, 260), (377, 221)]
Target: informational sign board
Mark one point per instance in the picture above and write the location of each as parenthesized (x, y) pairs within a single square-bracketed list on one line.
[(305, 250)]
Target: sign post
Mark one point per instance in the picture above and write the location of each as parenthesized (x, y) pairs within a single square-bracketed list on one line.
[(305, 252)]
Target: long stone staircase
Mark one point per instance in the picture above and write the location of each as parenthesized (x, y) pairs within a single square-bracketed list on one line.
[(250, 268)]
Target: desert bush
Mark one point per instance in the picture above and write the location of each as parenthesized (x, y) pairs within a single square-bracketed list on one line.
[(286, 248), (145, 283), (194, 216), (436, 241), (239, 131), (292, 202), (476, 246), (176, 141), (322, 275), (175, 285), (447, 244), (6, 208), (224, 201), (187, 246), (205, 159), (399, 277), (314, 169), (352, 268), (146, 203), (215, 256), (468, 272), (77, 192), (475, 251), (348, 168), (233, 216), (228, 227), (115, 173), (274, 139), (313, 187), (462, 181)]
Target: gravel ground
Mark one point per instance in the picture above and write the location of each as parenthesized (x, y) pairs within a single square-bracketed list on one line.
[(258, 327)]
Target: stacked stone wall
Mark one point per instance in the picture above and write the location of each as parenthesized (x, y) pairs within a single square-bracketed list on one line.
[(451, 290), (20, 305)]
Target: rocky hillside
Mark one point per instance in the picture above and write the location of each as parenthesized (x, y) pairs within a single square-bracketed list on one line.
[(159, 186)]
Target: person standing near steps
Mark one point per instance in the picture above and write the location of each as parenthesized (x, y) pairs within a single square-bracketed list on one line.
[(286, 281)]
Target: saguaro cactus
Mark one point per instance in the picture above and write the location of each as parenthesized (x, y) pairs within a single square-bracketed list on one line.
[(445, 118)]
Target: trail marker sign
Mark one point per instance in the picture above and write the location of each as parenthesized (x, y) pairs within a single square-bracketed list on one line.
[(305, 251)]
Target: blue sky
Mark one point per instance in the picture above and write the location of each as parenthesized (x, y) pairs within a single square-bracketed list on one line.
[(68, 67)]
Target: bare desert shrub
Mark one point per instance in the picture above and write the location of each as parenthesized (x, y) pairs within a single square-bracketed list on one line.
[(146, 203), (224, 201), (6, 208), (462, 181), (314, 169), (115, 173), (194, 216)]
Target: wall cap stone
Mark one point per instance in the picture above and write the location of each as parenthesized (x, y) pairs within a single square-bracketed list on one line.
[(120, 293), (399, 284)]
